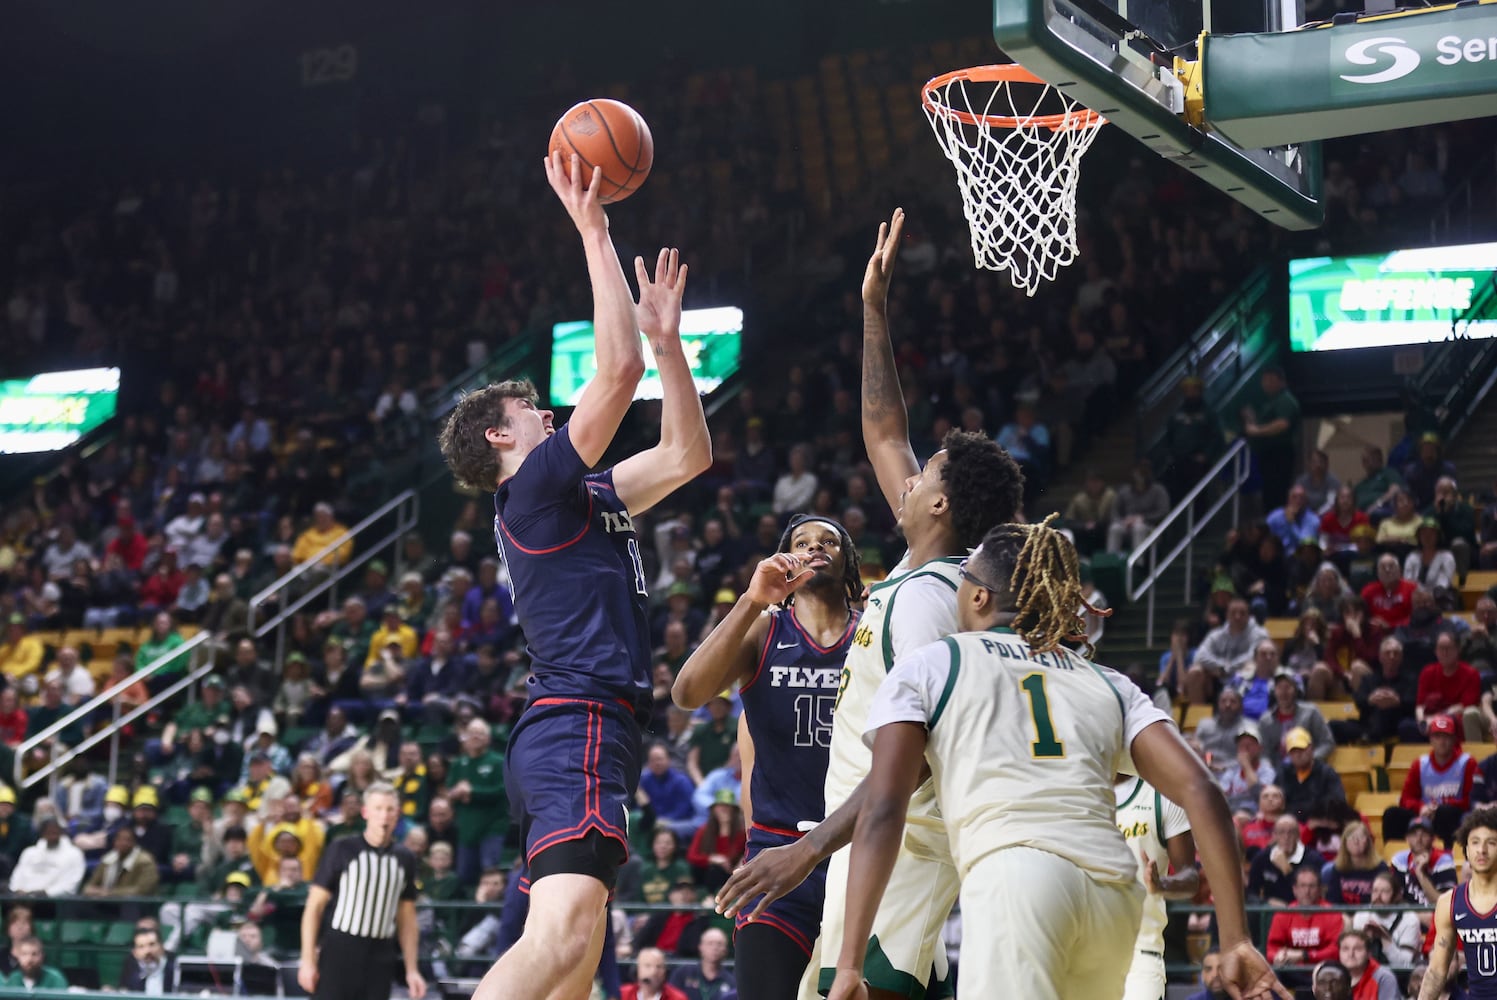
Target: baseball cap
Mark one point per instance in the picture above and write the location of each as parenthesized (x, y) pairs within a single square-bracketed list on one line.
[(1285, 674), (1298, 739), (295, 657), (378, 566), (679, 589), (213, 681), (725, 796), (201, 795), (118, 795), (237, 878), (1248, 728), (16, 619), (1421, 823), (146, 795), (725, 596), (389, 715), (1442, 724), (258, 756), (267, 728), (7, 794), (237, 794), (196, 498)]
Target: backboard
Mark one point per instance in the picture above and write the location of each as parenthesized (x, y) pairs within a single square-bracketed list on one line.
[(1117, 58)]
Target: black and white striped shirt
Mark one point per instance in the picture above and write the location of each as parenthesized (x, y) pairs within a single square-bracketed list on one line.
[(367, 885)]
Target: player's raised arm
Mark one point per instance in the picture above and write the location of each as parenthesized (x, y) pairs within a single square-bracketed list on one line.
[(731, 651), (1164, 761), (621, 362), (1442, 952), (685, 449), (886, 422)]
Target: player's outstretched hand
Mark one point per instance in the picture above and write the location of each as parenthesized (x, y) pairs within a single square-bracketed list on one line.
[(777, 577), (1247, 975), (580, 198), (306, 975), (848, 985), (881, 265), (659, 309), (772, 873)]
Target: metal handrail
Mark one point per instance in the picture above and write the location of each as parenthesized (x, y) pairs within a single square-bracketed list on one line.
[(103, 698), (111, 732), (302, 568), (1237, 457), (507, 355)]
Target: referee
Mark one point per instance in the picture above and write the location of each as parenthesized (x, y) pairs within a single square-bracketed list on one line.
[(370, 883)]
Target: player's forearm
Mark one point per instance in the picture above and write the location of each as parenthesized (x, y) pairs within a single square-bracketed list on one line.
[(883, 412), (1181, 885), (1221, 856), (709, 669), (875, 847), (836, 831), (683, 424), (616, 330)]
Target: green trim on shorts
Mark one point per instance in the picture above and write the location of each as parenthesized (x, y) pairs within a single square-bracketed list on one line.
[(879, 973)]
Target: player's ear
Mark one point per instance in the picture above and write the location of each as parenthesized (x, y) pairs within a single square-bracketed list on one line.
[(499, 437), (940, 505)]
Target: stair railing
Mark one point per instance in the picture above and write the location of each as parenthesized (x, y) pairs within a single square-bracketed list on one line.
[(1147, 566)]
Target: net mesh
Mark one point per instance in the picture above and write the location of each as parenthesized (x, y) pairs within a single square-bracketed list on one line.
[(1016, 145)]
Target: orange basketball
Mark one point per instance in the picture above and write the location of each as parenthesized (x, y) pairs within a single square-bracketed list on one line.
[(611, 135)]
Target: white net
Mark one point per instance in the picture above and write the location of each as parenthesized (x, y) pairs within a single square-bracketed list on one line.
[(1016, 143)]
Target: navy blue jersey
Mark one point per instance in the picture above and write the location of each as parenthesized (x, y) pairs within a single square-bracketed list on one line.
[(1478, 934), (579, 586), (789, 703)]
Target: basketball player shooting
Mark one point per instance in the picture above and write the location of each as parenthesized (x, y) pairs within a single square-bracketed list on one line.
[(567, 536)]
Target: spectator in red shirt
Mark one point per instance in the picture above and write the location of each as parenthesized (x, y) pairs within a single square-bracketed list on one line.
[(1305, 932), (649, 979), (1336, 523), (12, 719), (1369, 980), (1438, 787), (1450, 687), (1257, 833), (130, 545), (1389, 598), (719, 844), (160, 589)]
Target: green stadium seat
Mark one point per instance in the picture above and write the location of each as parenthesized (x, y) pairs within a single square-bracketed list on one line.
[(174, 816), (46, 930), (294, 736), (111, 964), (120, 932), (76, 931)]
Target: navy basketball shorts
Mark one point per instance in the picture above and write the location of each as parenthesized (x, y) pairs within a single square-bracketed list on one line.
[(797, 914), (571, 769)]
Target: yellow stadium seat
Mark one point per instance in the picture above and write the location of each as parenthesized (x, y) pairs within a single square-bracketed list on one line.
[(1481, 751), (1405, 754), (1392, 847), (1337, 711), (1193, 716), (1355, 783), (1372, 804), (1351, 759), (1280, 629)]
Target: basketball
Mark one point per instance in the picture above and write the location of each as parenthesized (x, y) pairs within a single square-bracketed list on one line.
[(607, 134)]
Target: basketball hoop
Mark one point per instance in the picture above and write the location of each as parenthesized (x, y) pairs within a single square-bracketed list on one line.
[(1016, 162)]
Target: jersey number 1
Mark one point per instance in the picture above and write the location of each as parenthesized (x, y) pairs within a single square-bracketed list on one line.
[(1045, 744)]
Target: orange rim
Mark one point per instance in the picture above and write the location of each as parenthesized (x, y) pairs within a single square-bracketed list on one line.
[(1011, 73)]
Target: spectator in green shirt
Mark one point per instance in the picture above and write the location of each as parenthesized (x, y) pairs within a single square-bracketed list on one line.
[(32, 973), (353, 630), (15, 829), (278, 908), (211, 709), (193, 846), (213, 878), (475, 784), (712, 740), (350, 819), (1457, 521), (665, 867), (163, 639), (439, 880), (50, 711), (1378, 484), (1271, 426)]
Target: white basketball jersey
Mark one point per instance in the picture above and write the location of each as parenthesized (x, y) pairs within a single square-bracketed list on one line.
[(1023, 747), (1148, 820), (910, 609)]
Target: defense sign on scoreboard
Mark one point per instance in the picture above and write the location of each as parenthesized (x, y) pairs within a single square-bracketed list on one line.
[(54, 410)]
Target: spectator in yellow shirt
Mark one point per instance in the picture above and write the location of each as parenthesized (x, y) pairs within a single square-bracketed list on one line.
[(21, 653), (268, 842), (324, 530), (393, 629)]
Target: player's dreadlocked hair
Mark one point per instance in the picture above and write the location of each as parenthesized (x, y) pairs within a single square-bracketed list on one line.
[(1043, 574), (473, 461), (983, 483), (852, 576)]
